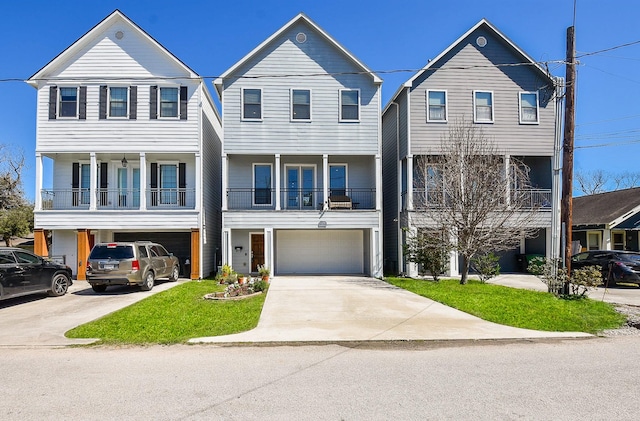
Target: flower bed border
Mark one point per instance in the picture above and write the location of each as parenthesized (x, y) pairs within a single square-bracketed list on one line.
[(215, 296)]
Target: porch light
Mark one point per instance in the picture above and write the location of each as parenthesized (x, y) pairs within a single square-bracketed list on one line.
[(124, 161)]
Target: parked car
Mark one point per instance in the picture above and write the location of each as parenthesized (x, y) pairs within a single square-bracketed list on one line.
[(616, 265), (22, 273), (130, 263)]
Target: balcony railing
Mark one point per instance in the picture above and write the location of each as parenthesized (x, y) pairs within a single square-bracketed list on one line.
[(122, 199), (531, 199), (296, 199)]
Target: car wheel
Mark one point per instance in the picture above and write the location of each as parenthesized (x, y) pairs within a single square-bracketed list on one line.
[(175, 274), (148, 282), (99, 288), (59, 285)]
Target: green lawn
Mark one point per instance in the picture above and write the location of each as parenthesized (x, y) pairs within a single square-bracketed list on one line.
[(517, 307), (174, 316)]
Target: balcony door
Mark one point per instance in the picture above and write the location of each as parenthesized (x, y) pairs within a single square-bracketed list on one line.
[(300, 187), (128, 187)]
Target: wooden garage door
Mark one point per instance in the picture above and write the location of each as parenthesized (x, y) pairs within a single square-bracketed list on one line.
[(319, 252)]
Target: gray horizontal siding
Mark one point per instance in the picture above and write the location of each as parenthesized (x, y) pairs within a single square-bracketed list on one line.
[(343, 219)]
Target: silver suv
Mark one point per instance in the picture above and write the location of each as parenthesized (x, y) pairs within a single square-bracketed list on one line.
[(130, 263)]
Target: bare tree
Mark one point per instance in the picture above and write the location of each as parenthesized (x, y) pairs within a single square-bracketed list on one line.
[(592, 182), (626, 180), (16, 214), (468, 191)]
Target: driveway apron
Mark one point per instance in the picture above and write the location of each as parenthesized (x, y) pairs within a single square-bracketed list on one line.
[(342, 308)]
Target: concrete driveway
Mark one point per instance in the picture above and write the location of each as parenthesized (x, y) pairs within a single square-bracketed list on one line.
[(38, 320)]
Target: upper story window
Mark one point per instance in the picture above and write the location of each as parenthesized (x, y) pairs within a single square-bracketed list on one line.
[(68, 106), (437, 106), (349, 105), (301, 104), (528, 107), (483, 106), (169, 102), (252, 104), (118, 102)]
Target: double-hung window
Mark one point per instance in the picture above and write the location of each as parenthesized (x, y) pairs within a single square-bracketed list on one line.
[(349, 105), (483, 106), (118, 103), (436, 106), (252, 104), (68, 106), (262, 184), (528, 107), (169, 102), (301, 104)]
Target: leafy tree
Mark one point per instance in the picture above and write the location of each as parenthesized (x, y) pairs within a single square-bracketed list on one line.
[(16, 213), (430, 249)]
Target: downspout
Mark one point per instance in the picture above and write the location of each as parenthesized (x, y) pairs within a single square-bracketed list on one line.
[(557, 167)]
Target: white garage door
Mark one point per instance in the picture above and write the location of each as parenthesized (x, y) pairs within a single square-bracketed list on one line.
[(319, 252)]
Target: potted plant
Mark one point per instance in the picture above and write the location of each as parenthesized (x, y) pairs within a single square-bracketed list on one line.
[(264, 272), (241, 279)]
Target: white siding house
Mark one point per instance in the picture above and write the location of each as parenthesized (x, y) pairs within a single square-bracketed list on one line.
[(127, 139), (485, 80), (301, 157)]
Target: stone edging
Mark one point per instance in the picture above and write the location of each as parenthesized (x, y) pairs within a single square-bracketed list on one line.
[(213, 296)]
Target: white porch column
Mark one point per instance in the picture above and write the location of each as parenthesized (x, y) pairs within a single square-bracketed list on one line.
[(548, 234), (325, 180), (198, 185), (93, 183), (277, 181), (143, 181), (378, 182), (523, 243), (226, 247), (376, 250), (225, 182), (409, 203), (606, 238), (269, 250), (38, 204), (454, 267), (507, 165), (412, 268)]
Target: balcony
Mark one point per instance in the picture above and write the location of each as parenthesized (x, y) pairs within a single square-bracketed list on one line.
[(118, 199), (532, 199), (298, 199)]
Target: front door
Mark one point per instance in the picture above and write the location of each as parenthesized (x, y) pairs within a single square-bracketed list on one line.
[(257, 251)]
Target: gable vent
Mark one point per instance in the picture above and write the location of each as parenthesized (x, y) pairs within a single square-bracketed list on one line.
[(481, 41), (119, 34), (301, 37)]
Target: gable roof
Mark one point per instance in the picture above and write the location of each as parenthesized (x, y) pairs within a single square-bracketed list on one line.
[(85, 39), (301, 17), (610, 208), (482, 23)]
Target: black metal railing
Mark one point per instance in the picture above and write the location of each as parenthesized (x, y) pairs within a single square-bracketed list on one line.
[(298, 199)]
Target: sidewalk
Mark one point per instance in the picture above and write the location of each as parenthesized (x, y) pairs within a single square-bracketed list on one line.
[(339, 308)]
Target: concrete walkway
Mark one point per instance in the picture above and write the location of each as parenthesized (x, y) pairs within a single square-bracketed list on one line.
[(338, 308)]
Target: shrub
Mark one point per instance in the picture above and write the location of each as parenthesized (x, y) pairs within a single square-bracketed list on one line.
[(585, 279), (550, 272), (486, 265), (430, 250)]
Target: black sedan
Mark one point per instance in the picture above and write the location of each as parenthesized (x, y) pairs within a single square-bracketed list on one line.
[(616, 265), (22, 273)]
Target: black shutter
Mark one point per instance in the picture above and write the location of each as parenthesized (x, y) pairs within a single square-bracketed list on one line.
[(103, 103), (154, 184), (133, 102), (153, 103), (182, 183), (183, 102), (53, 98), (75, 183), (82, 109), (104, 196)]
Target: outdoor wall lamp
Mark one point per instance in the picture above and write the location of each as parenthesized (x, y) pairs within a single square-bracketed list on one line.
[(124, 161)]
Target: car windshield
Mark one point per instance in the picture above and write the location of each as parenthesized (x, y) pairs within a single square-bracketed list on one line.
[(111, 252)]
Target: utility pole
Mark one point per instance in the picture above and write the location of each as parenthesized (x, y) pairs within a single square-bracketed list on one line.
[(567, 148)]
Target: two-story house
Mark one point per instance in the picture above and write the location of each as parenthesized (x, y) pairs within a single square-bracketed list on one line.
[(485, 80), (127, 139), (301, 157)]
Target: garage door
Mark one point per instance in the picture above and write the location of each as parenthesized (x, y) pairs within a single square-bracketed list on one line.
[(178, 243), (319, 252)]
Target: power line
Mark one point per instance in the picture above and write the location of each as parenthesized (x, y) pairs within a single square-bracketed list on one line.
[(608, 49)]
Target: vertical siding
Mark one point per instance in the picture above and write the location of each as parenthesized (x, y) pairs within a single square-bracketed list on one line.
[(468, 67)]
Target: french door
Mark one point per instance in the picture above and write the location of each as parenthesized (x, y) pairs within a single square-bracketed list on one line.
[(300, 187), (128, 187)]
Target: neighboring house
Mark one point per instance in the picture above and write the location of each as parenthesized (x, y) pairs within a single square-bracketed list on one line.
[(128, 147), (301, 157), (483, 79), (607, 221)]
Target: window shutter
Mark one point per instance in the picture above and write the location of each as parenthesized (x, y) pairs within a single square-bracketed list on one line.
[(53, 98), (154, 175), (153, 103), (82, 109), (183, 102), (103, 102), (75, 175), (133, 102)]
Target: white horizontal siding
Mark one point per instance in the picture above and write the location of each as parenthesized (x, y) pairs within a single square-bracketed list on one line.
[(346, 219), (116, 220)]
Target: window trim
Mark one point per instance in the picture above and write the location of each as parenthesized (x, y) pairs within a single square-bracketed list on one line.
[(127, 100), (291, 115), (242, 116), (493, 104), (349, 120), (346, 176), (253, 184), (446, 106), (76, 116), (537, 121), (159, 105)]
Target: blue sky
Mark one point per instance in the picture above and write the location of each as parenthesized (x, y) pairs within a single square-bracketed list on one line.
[(210, 36)]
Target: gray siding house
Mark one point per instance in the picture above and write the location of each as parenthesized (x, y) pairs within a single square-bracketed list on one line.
[(482, 79), (301, 158)]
